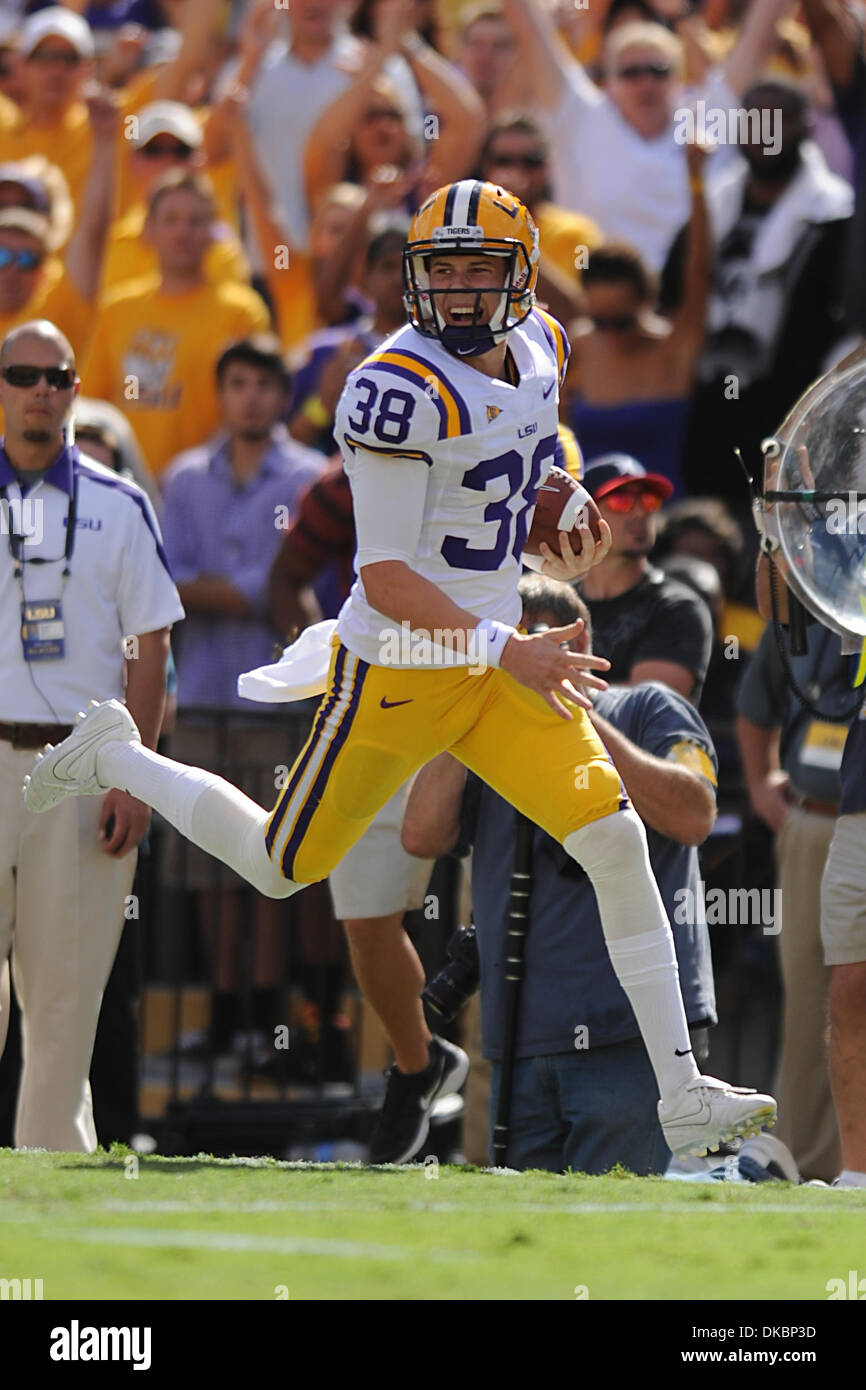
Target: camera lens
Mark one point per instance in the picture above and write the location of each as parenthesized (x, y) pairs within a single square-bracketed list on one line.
[(448, 991)]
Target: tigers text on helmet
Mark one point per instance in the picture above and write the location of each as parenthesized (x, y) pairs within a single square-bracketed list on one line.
[(471, 218)]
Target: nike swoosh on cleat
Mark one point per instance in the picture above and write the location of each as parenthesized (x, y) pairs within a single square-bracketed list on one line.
[(392, 704), (677, 1052)]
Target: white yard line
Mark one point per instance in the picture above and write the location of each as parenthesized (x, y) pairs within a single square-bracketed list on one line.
[(745, 1208), (232, 1244)]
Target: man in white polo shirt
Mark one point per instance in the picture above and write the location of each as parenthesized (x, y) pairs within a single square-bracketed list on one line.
[(86, 604)]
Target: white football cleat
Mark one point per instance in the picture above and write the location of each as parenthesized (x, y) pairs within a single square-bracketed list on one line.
[(708, 1112), (849, 1182), (70, 768)]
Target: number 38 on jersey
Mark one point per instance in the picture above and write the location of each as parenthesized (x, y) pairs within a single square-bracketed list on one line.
[(484, 447)]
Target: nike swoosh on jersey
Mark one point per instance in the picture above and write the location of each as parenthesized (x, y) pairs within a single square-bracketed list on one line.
[(546, 393), (392, 704), (677, 1052)]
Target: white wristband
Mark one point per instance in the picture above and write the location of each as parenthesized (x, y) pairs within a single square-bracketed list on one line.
[(494, 637)]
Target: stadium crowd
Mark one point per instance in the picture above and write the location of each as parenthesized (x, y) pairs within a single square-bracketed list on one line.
[(210, 198)]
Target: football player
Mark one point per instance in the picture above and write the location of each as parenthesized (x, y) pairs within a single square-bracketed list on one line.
[(447, 431)]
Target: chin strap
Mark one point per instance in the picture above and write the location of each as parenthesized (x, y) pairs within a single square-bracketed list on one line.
[(457, 340)]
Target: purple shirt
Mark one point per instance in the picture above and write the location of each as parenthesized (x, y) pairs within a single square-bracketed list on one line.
[(214, 525)]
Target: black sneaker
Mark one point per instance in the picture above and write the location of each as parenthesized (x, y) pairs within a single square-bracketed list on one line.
[(405, 1115)]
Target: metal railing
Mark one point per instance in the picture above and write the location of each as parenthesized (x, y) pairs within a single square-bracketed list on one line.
[(288, 1081)]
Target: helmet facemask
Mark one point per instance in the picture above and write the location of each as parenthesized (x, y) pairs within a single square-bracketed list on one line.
[(472, 338)]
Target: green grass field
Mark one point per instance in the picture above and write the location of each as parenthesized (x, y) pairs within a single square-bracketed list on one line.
[(257, 1229)]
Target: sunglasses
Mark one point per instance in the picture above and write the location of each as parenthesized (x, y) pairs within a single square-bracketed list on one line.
[(155, 150), (614, 323), (45, 56), (511, 161), (621, 500), (661, 71), (22, 260), (58, 378)]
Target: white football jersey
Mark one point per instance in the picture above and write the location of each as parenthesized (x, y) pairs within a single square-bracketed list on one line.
[(488, 447)]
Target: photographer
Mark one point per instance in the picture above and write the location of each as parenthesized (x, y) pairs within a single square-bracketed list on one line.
[(843, 914), (583, 1096)]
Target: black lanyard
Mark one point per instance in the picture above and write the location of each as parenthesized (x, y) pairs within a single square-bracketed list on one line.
[(16, 542)]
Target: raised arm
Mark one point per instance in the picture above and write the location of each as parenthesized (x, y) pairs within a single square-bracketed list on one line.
[(199, 24), (260, 26), (543, 50), (581, 25), (690, 319), (344, 265), (755, 43), (459, 110), (84, 254), (327, 147), (835, 31), (255, 190)]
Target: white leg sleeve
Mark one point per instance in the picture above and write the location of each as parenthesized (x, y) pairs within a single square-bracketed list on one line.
[(613, 851), (203, 807)]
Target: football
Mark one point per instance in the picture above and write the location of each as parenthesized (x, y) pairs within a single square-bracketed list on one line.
[(562, 505)]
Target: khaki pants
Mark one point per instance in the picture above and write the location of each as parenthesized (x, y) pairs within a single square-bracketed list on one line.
[(807, 1119), (61, 914), (843, 893)]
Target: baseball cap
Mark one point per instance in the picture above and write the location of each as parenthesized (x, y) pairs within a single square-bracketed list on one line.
[(610, 471), (168, 118), (33, 187), (56, 22), (23, 220)]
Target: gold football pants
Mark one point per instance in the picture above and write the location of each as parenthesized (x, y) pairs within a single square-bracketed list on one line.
[(376, 725)]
